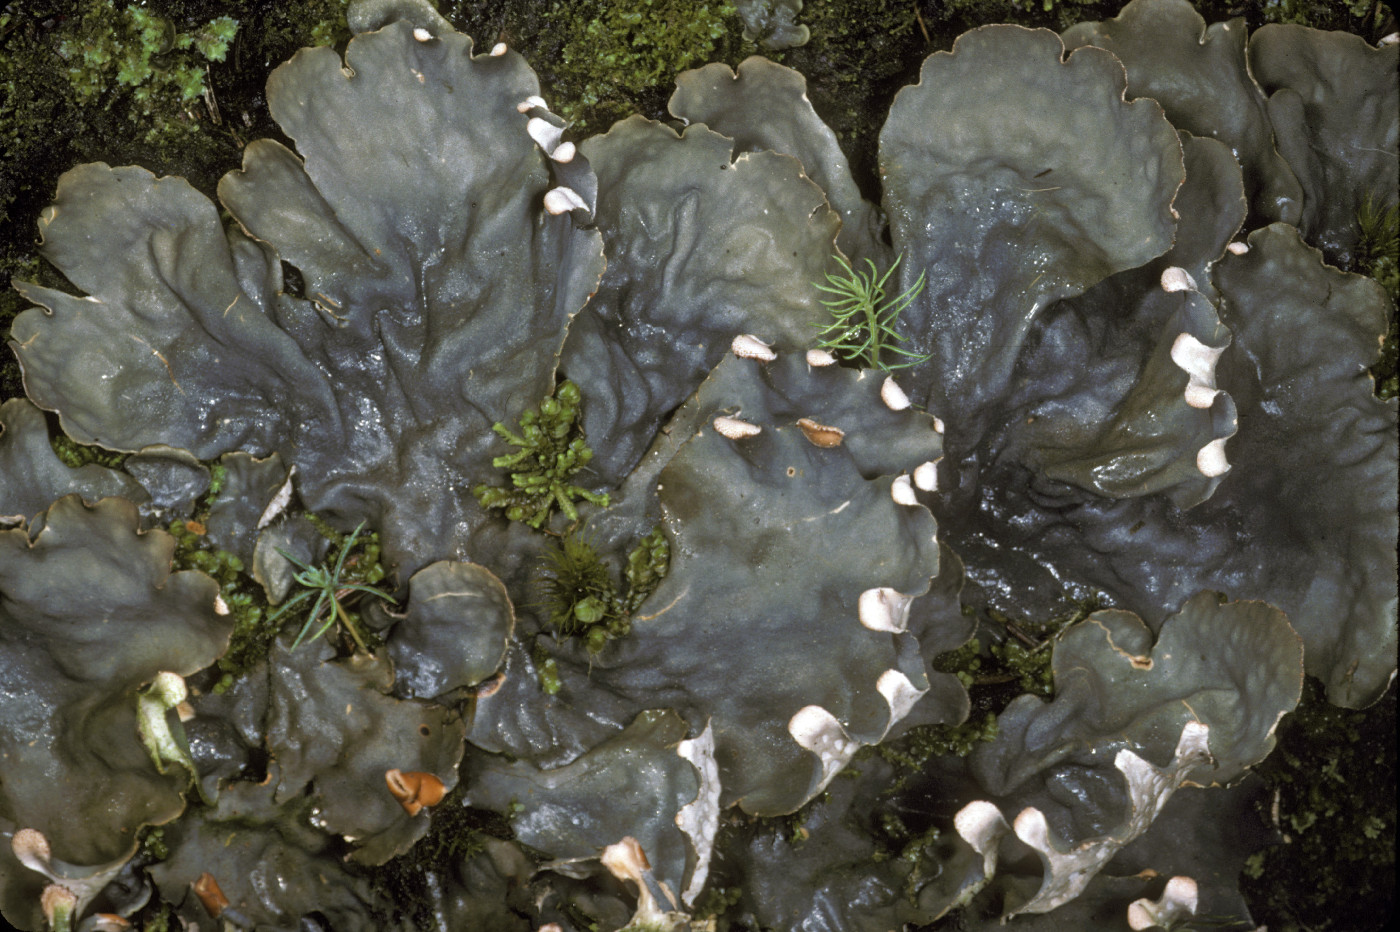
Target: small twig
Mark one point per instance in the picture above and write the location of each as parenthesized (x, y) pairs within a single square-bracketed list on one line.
[(922, 28)]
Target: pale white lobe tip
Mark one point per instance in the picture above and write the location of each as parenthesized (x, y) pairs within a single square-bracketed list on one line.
[(748, 346), (1198, 362), (564, 152), (981, 824), (170, 688), (421, 34), (31, 849), (1211, 459), (938, 427), (498, 50), (884, 609), (736, 429), (1176, 278), (626, 860), (892, 395), (926, 476), (1392, 39), (1179, 901), (220, 606), (818, 731), (279, 502), (56, 900), (818, 358), (902, 491), (562, 200), (699, 819), (1237, 248), (545, 134), (899, 693), (1032, 827), (531, 102)]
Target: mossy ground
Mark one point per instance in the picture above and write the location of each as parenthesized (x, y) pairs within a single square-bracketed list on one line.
[(1333, 776), (600, 61)]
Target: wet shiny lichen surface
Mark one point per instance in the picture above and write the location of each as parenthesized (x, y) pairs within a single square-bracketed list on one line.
[(723, 592)]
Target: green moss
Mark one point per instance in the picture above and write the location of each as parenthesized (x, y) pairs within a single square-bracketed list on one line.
[(551, 451), (793, 827), (218, 475), (580, 597), (1326, 14), (76, 455), (153, 846), (347, 574), (252, 635), (1010, 658), (614, 50), (254, 626), (1378, 255), (714, 901), (160, 922), (458, 832), (1333, 776), (920, 744), (105, 48), (546, 668)]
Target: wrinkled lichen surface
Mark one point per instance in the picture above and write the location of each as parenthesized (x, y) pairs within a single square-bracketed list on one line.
[(646, 610)]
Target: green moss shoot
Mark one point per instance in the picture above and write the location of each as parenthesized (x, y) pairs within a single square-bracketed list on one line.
[(458, 833), (1378, 255), (551, 450), (76, 455), (580, 597), (1333, 776), (614, 50)]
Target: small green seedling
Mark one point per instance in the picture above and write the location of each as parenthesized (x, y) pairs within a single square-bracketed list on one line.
[(864, 319), (331, 592)]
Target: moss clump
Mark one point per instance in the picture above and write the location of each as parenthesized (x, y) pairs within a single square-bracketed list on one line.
[(552, 450), (914, 749), (138, 49), (153, 845), (580, 597), (1333, 776), (1378, 255), (863, 322), (160, 919), (615, 50), (76, 455), (715, 901), (252, 636), (457, 833)]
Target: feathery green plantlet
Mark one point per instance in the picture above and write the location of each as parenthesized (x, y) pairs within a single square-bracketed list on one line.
[(330, 589), (552, 450), (865, 319)]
